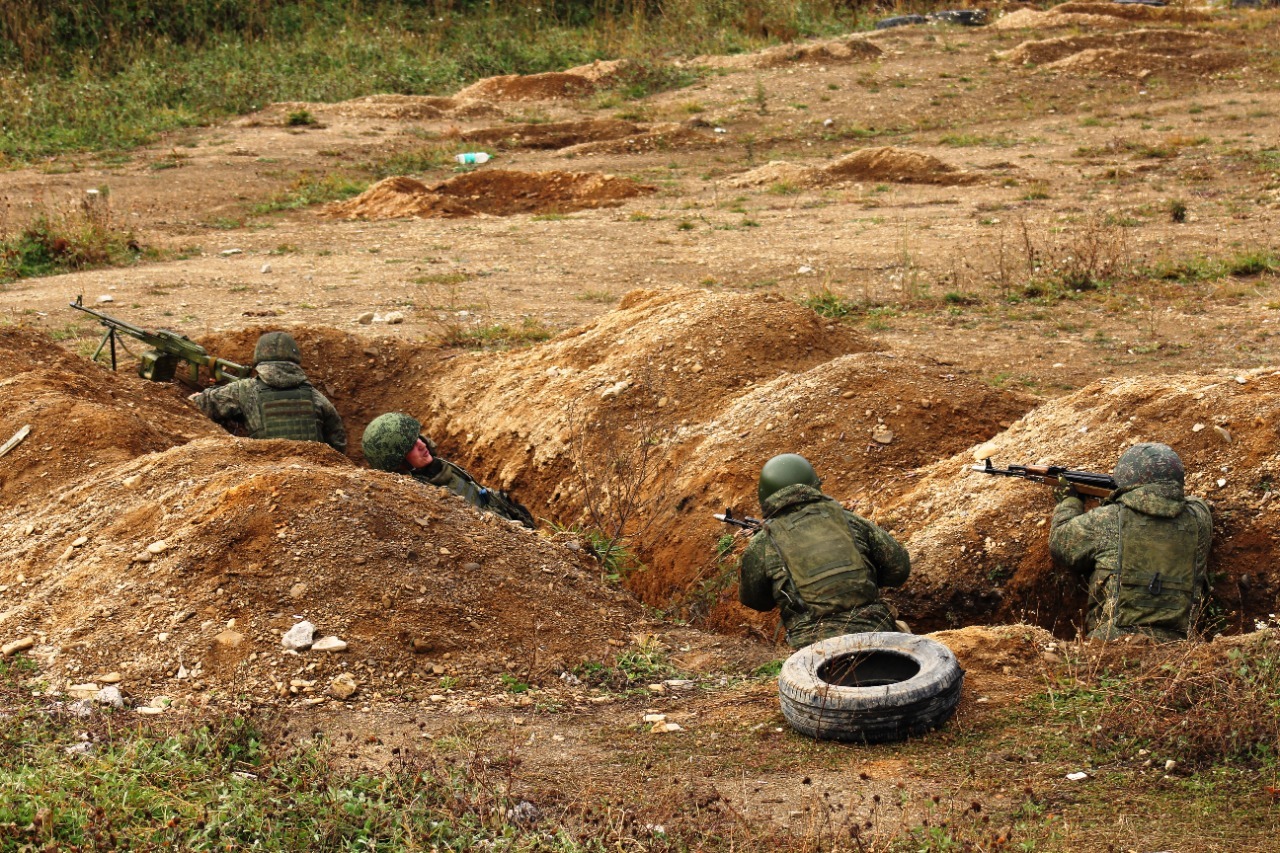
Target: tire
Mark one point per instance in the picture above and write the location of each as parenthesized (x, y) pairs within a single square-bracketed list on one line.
[(870, 688)]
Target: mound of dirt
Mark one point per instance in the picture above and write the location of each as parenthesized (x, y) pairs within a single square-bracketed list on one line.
[(777, 172), (825, 51), (1098, 16), (81, 416), (398, 197), (549, 86), (207, 553), (496, 192), (896, 164), (661, 137), (1124, 63), (869, 164), (1001, 663), (387, 107), (561, 134), (980, 544), (1159, 41)]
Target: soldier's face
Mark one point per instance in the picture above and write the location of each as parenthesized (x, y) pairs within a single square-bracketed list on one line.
[(419, 456)]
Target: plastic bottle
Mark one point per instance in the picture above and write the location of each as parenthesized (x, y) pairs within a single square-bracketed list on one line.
[(472, 157)]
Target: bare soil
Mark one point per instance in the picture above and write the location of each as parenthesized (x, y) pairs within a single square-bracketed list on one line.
[(922, 176)]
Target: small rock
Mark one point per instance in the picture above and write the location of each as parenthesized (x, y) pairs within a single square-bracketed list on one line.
[(1241, 380), (882, 435), (329, 644), (83, 691), (1078, 776), (419, 647), (299, 637), (110, 678), (81, 748), (1169, 765), (132, 482), (105, 298), (16, 646), (804, 270), (232, 251), (266, 268), (229, 639), (986, 451), (1197, 428), (365, 319), (79, 540), (655, 718), (1223, 433), (109, 695), (663, 728), (471, 567), (298, 590), (141, 557), (1222, 481), (158, 547), (393, 318)]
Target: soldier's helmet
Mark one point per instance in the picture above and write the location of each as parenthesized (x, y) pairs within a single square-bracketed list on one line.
[(276, 346), (388, 438), (788, 469), (1148, 462)]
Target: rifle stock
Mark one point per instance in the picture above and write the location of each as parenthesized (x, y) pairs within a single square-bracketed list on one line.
[(1088, 483), (168, 350)]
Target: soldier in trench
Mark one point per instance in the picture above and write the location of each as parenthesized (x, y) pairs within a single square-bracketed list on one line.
[(822, 564), (1145, 549), (278, 402), (394, 442)]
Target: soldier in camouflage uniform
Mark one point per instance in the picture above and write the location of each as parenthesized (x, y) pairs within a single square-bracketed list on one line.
[(821, 563), (1145, 549), (278, 402), (393, 442)]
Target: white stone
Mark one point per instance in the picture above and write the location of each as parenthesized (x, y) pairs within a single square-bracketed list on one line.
[(158, 547), (329, 644), (299, 637)]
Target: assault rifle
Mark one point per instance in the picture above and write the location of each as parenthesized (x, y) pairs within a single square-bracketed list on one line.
[(168, 349), (745, 522), (1083, 482)]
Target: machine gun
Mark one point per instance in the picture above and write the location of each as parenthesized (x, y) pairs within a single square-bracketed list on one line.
[(745, 522), (1085, 483), (167, 350)]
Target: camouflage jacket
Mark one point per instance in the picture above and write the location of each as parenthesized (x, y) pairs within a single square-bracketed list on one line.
[(237, 403), (446, 475), (1161, 541), (764, 582)]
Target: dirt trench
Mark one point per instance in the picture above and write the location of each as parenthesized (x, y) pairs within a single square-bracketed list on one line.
[(126, 515)]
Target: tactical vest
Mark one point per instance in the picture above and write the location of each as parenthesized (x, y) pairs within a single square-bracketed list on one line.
[(1158, 585), (288, 413), (821, 557)]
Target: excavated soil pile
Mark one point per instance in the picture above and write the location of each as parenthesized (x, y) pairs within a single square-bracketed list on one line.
[(81, 417), (373, 107), (1098, 15), (869, 164), (825, 51), (560, 134), (1137, 53), (496, 192), (980, 544), (176, 567), (688, 378), (660, 137), (572, 83)]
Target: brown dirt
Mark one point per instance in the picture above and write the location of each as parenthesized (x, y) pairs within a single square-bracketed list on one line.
[(679, 329), (495, 192), (553, 85)]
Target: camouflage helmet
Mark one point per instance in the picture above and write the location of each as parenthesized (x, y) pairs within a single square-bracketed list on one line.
[(1148, 463), (388, 438), (789, 469), (276, 346)]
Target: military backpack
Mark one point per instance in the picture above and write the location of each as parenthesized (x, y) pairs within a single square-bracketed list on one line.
[(821, 556)]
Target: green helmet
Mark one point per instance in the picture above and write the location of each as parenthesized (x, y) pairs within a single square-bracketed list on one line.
[(276, 346), (789, 469), (1148, 463), (388, 438)]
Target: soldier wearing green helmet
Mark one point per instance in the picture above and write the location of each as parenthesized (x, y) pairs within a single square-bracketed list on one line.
[(394, 442), (1145, 549), (822, 564), (278, 401)]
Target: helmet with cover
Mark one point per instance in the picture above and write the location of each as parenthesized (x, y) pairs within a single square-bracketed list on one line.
[(1148, 462), (276, 346), (788, 469), (388, 438)]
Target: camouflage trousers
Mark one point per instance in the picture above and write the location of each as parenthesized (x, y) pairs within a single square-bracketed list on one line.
[(876, 616)]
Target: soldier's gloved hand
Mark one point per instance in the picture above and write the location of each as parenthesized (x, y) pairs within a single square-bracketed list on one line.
[(1065, 490)]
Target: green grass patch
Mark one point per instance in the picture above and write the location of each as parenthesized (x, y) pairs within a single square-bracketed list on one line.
[(530, 330), (308, 189), (827, 303), (54, 242)]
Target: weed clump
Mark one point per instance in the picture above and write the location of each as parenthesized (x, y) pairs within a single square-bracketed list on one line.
[(60, 241)]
